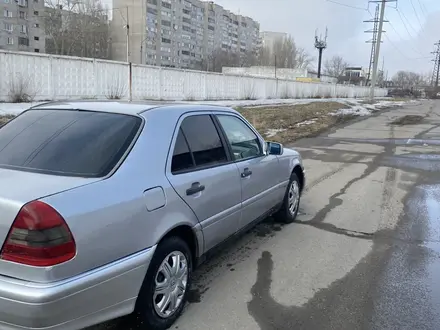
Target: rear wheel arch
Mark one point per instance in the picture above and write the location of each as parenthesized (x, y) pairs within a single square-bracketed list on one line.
[(187, 234)]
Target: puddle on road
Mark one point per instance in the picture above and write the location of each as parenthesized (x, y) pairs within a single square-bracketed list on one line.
[(423, 162)]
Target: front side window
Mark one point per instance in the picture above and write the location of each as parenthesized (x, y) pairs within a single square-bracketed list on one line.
[(198, 144), (244, 142)]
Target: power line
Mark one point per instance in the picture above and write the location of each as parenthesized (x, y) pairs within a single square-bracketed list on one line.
[(401, 13), (345, 5), (423, 7), (404, 24), (417, 16)]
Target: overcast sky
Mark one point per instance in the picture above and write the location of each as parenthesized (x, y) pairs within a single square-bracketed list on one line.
[(406, 46)]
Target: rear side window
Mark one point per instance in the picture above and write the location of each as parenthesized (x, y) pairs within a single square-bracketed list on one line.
[(199, 136), (65, 142), (182, 158)]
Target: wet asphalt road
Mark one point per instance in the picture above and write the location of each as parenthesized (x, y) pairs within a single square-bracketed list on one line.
[(364, 253)]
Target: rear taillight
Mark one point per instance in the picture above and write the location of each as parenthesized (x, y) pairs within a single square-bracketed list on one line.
[(39, 237)]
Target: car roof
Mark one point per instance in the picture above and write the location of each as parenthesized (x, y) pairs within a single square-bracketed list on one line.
[(125, 107)]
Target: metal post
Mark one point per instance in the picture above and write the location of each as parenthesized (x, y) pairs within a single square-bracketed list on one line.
[(128, 37), (320, 62), (376, 59), (130, 82)]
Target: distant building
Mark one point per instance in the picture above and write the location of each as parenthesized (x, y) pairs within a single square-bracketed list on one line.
[(21, 27), (181, 34), (353, 76), (280, 73), (324, 78), (268, 38)]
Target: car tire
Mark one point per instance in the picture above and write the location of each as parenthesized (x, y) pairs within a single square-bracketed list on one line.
[(287, 213), (147, 312)]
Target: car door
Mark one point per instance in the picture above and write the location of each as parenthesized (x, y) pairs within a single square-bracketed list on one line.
[(205, 177), (260, 183)]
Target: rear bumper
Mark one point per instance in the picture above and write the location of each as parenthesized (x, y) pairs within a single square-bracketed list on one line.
[(90, 298)]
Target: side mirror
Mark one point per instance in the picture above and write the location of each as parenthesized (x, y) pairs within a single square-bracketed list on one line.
[(274, 148)]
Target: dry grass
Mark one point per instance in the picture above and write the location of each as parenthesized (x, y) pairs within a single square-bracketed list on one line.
[(283, 123), (5, 119)]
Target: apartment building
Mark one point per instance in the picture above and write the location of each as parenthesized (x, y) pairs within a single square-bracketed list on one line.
[(179, 33), (21, 26)]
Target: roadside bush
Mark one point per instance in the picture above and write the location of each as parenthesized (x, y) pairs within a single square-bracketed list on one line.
[(116, 89), (21, 89)]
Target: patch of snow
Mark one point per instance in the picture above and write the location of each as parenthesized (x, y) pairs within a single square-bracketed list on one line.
[(15, 108), (356, 110), (306, 122), (274, 131)]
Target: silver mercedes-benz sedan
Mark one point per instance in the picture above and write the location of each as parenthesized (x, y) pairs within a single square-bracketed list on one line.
[(107, 207)]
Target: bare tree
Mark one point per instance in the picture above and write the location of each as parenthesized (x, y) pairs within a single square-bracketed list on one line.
[(284, 53), (408, 79), (335, 66), (303, 59), (220, 58), (77, 28)]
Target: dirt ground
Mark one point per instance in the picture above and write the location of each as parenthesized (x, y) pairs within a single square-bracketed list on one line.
[(288, 123), (408, 120)]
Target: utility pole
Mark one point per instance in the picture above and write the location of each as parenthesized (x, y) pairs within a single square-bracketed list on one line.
[(436, 71), (378, 42), (320, 44), (373, 41), (127, 26)]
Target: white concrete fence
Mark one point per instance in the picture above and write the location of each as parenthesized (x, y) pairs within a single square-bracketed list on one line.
[(49, 77)]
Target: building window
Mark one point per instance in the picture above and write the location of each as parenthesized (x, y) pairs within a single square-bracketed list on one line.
[(186, 11), (211, 28), (166, 23), (36, 38), (23, 28), (184, 52), (153, 2), (243, 24), (166, 4), (186, 20), (10, 41), (9, 27), (22, 3), (7, 13), (23, 41), (22, 14), (165, 40), (36, 13), (36, 25), (211, 20), (36, 50), (152, 11)]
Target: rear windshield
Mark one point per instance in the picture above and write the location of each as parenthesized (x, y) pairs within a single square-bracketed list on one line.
[(65, 142)]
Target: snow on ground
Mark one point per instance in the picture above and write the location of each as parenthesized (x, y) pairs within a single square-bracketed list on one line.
[(15, 108), (356, 110), (307, 122), (274, 131), (354, 106)]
